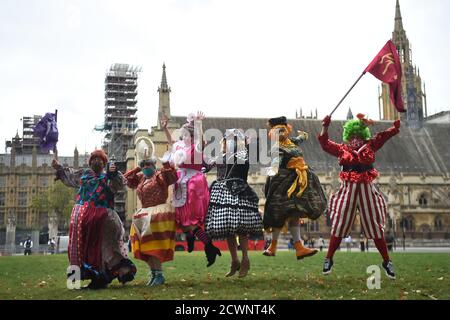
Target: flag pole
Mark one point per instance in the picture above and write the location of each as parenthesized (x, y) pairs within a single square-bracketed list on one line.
[(342, 100), (55, 149)]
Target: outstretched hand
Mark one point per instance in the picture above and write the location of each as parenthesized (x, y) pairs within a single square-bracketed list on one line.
[(55, 164), (164, 121), (397, 124), (200, 116)]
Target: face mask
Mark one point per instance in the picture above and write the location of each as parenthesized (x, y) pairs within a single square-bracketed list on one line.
[(356, 143), (97, 166), (148, 172)]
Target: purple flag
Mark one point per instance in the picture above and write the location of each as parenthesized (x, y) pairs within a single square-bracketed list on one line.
[(47, 131)]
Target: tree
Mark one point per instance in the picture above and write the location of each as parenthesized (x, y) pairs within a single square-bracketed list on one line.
[(58, 199)]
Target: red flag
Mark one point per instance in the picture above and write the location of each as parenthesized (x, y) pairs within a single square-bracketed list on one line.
[(387, 67)]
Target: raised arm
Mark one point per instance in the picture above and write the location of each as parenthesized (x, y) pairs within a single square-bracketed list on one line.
[(198, 132), (167, 175), (164, 122), (68, 176), (301, 137), (327, 145), (382, 137), (133, 177)]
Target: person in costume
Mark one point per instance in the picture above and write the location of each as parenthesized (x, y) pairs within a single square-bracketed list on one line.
[(96, 232), (356, 158), (153, 227), (292, 190), (233, 206), (191, 193)]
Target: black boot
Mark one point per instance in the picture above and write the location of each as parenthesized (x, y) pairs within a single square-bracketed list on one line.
[(190, 239), (211, 253), (124, 277)]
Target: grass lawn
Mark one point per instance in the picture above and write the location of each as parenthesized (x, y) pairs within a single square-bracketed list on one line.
[(419, 276)]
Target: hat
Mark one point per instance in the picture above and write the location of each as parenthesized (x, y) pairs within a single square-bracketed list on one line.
[(98, 154), (277, 121)]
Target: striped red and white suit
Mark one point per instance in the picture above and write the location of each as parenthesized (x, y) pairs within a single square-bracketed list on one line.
[(362, 196), (357, 190)]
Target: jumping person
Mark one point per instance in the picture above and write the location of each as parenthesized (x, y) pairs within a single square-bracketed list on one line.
[(356, 157), (293, 192)]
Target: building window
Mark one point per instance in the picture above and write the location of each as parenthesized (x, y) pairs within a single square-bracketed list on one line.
[(22, 200), (408, 223), (438, 225), (2, 217), (2, 181), (22, 219), (314, 225), (2, 199), (43, 181), (23, 181), (423, 201)]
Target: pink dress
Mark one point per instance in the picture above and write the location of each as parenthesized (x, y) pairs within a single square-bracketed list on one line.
[(191, 193)]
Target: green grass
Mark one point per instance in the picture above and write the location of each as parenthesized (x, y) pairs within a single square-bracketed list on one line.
[(419, 276)]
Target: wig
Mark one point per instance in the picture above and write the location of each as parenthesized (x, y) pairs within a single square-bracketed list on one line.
[(358, 127)]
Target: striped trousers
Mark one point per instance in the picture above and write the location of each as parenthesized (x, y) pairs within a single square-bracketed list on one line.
[(362, 196)]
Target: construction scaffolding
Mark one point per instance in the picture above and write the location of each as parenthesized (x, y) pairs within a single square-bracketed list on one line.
[(121, 82), (120, 109), (28, 141)]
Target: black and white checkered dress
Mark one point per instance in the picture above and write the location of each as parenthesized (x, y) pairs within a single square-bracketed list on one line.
[(233, 210)]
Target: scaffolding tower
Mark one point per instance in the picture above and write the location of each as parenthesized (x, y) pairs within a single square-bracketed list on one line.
[(120, 109), (121, 82)]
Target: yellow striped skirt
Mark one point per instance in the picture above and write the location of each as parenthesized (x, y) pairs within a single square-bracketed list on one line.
[(153, 233)]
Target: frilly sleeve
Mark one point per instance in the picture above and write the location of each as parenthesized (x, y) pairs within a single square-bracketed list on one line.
[(382, 137), (133, 177), (167, 175), (329, 146), (69, 177)]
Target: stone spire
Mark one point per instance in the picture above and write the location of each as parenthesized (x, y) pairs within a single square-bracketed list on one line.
[(399, 37), (164, 86), (164, 98), (350, 114), (398, 18)]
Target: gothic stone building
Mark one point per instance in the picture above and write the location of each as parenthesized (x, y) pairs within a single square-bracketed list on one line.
[(414, 169)]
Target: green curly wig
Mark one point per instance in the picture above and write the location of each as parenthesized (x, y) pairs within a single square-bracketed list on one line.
[(356, 128)]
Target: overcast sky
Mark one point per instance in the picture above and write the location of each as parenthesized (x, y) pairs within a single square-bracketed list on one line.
[(249, 58)]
